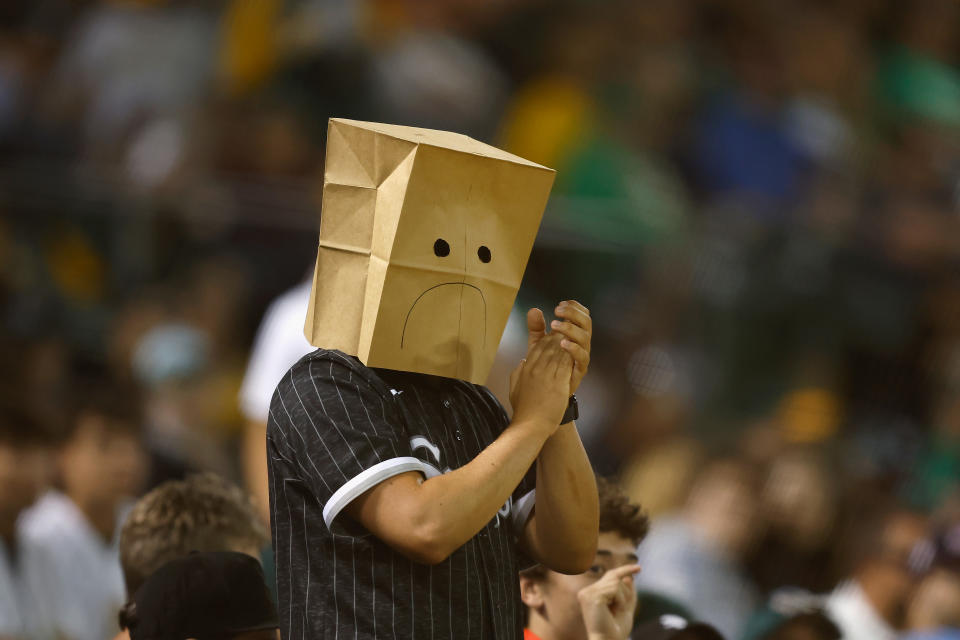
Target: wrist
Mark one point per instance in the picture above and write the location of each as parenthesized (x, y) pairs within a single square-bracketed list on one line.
[(541, 428)]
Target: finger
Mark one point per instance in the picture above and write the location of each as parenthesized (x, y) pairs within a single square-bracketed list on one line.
[(606, 586), (571, 332), (577, 305), (624, 571), (535, 353), (548, 348), (601, 591), (577, 315), (515, 374), (592, 596), (564, 364), (581, 357), (620, 596), (536, 326), (557, 360)]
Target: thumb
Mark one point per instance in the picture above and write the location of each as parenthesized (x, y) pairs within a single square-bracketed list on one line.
[(536, 326)]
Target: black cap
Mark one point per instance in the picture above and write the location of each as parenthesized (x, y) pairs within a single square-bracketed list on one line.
[(207, 596)]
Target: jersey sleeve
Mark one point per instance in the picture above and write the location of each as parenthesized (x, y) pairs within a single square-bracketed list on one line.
[(337, 432)]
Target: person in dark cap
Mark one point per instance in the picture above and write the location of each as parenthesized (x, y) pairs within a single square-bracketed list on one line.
[(219, 595)]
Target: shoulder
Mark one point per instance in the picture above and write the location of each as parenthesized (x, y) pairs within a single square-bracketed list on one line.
[(322, 374), (328, 366)]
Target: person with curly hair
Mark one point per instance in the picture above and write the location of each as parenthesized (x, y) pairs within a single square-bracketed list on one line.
[(599, 603)]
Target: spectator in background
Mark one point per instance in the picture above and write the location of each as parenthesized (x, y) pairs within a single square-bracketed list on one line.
[(201, 513), (934, 613), (26, 449), (172, 360), (74, 531), (799, 508), (740, 147), (872, 603), (889, 551), (124, 64), (203, 595), (598, 604), (934, 610), (279, 344), (695, 556)]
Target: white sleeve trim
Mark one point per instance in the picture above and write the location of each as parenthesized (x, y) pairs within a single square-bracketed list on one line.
[(365, 480), (522, 509)]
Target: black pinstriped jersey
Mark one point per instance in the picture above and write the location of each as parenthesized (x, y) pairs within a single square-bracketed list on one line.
[(338, 428)]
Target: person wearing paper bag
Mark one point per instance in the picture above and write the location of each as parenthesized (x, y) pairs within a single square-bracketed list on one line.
[(403, 499)]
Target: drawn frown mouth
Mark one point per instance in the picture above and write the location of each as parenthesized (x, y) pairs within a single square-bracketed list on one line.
[(447, 284)]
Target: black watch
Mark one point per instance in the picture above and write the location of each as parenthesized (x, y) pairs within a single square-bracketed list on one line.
[(572, 412)]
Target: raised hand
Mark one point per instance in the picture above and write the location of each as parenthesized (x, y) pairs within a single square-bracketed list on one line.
[(608, 604), (575, 326), (540, 385)]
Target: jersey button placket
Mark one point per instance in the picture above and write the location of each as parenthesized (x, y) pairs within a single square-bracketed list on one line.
[(448, 406)]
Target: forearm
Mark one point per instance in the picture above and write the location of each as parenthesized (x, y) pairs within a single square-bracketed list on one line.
[(563, 533), (458, 504), (428, 520)]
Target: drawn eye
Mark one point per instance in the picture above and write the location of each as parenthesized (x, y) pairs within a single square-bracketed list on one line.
[(441, 248), (484, 254)]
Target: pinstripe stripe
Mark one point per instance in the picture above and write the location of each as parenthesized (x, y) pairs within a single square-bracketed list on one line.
[(306, 546), (498, 596), (327, 415), (295, 463), (293, 425), (289, 550)]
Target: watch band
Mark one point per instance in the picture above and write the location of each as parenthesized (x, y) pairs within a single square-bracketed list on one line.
[(572, 412)]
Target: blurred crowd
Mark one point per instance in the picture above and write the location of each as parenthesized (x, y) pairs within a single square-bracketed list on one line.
[(759, 200)]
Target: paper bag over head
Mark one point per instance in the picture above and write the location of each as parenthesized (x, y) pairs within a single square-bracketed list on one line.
[(424, 237)]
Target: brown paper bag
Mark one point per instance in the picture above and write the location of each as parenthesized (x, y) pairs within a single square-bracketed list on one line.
[(424, 238)]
